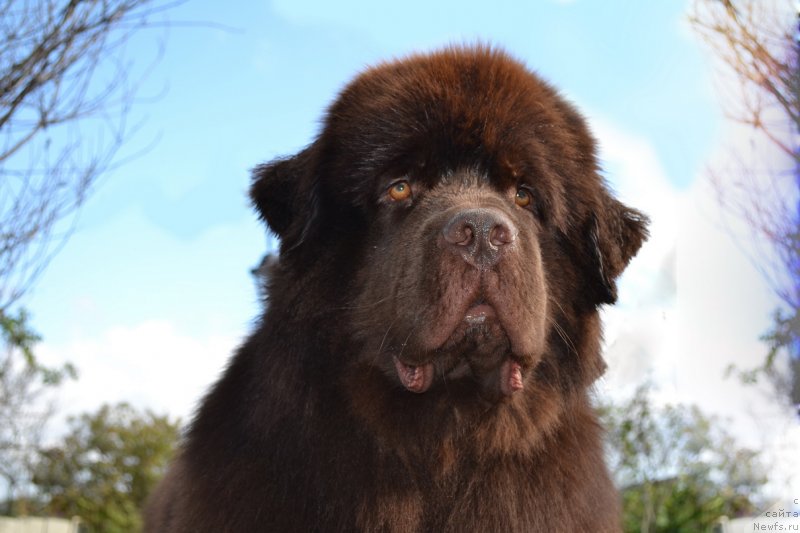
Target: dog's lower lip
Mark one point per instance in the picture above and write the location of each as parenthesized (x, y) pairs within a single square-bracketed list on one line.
[(511, 377), (415, 378)]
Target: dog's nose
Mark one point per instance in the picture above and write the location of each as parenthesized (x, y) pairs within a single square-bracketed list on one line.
[(479, 236)]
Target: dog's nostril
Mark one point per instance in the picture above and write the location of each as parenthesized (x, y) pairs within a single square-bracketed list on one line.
[(468, 234), (459, 232), (501, 235)]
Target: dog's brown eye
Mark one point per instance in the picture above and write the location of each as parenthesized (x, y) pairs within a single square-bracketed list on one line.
[(400, 191), (523, 198)]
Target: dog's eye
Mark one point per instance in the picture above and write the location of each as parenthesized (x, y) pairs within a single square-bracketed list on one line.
[(523, 198), (400, 191)]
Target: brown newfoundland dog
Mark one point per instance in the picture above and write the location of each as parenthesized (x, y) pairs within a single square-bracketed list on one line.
[(432, 327)]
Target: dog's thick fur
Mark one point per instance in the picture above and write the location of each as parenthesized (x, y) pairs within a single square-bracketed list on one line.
[(432, 329)]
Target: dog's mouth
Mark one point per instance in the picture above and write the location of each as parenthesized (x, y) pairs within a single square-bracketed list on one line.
[(480, 336), (419, 378)]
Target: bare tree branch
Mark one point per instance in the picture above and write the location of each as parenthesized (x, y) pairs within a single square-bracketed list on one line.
[(65, 93), (757, 41)]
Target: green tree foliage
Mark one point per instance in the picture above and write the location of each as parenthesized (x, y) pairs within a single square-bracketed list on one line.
[(25, 406), (18, 336), (105, 467), (784, 336), (678, 469)]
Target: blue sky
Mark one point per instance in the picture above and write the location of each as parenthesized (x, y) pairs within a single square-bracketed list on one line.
[(226, 100), (152, 292)]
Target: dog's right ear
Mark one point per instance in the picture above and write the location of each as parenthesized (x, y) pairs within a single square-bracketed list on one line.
[(285, 196), (614, 235)]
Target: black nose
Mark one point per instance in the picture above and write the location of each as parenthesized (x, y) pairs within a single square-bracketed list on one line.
[(479, 236)]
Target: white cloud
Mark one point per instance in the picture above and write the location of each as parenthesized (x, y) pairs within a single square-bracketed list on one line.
[(640, 329), (151, 365), (691, 303)]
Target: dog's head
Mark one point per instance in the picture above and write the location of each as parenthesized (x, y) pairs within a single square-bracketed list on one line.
[(454, 201)]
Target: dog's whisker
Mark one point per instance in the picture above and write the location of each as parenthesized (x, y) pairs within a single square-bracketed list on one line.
[(563, 334), (357, 307), (405, 342), (560, 330), (385, 335)]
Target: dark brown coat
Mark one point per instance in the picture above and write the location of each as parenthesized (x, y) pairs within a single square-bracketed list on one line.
[(432, 326)]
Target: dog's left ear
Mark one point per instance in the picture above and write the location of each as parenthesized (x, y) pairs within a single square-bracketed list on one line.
[(614, 234)]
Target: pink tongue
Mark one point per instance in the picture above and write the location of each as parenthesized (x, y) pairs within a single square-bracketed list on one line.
[(510, 377), (414, 378)]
